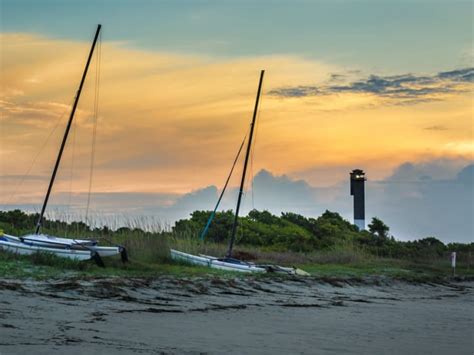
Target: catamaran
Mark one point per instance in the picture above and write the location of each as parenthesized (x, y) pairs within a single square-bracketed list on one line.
[(229, 263), (77, 249)]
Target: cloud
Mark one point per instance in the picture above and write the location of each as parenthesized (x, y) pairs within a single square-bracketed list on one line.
[(37, 114), (196, 200), (166, 121), (280, 193), (298, 91), (466, 175), (406, 88), (460, 75), (438, 169), (171, 123), (436, 128), (415, 202), (25, 177)]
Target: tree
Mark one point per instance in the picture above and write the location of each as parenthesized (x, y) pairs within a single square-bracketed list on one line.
[(379, 228), (264, 217), (218, 231)]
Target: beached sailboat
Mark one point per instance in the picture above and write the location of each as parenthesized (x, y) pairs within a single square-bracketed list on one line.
[(36, 241), (225, 264), (229, 263), (77, 249), (15, 245)]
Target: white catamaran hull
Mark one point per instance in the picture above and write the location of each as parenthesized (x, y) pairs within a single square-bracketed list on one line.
[(22, 248), (44, 239), (214, 262), (50, 242), (272, 268)]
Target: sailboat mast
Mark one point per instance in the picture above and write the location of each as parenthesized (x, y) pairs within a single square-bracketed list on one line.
[(66, 133), (247, 154)]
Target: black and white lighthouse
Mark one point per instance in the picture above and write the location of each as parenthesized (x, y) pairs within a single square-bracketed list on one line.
[(358, 191)]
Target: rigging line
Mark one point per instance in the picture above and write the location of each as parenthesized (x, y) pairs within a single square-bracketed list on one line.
[(211, 217), (241, 230), (250, 178), (254, 146), (245, 192), (73, 155), (20, 184), (95, 118)]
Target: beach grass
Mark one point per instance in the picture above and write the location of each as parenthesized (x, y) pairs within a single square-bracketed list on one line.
[(149, 254), (145, 262), (46, 266)]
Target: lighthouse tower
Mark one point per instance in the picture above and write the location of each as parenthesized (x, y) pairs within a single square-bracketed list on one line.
[(358, 191)]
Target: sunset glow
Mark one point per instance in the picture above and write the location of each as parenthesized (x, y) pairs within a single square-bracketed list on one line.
[(171, 120)]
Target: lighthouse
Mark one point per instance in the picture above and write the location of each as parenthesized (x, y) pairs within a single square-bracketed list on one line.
[(358, 191)]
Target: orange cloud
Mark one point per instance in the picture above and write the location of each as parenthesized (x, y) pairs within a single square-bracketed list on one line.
[(172, 123)]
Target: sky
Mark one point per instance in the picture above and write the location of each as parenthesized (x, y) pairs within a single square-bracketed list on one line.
[(385, 86)]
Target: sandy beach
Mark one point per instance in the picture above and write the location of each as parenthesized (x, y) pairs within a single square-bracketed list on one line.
[(253, 316)]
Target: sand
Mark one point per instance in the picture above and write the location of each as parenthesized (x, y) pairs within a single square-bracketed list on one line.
[(237, 316)]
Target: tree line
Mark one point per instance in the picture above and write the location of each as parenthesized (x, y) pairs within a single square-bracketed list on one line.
[(289, 231)]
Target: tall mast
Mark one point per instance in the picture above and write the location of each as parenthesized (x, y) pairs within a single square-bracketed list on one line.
[(247, 154), (66, 133)]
